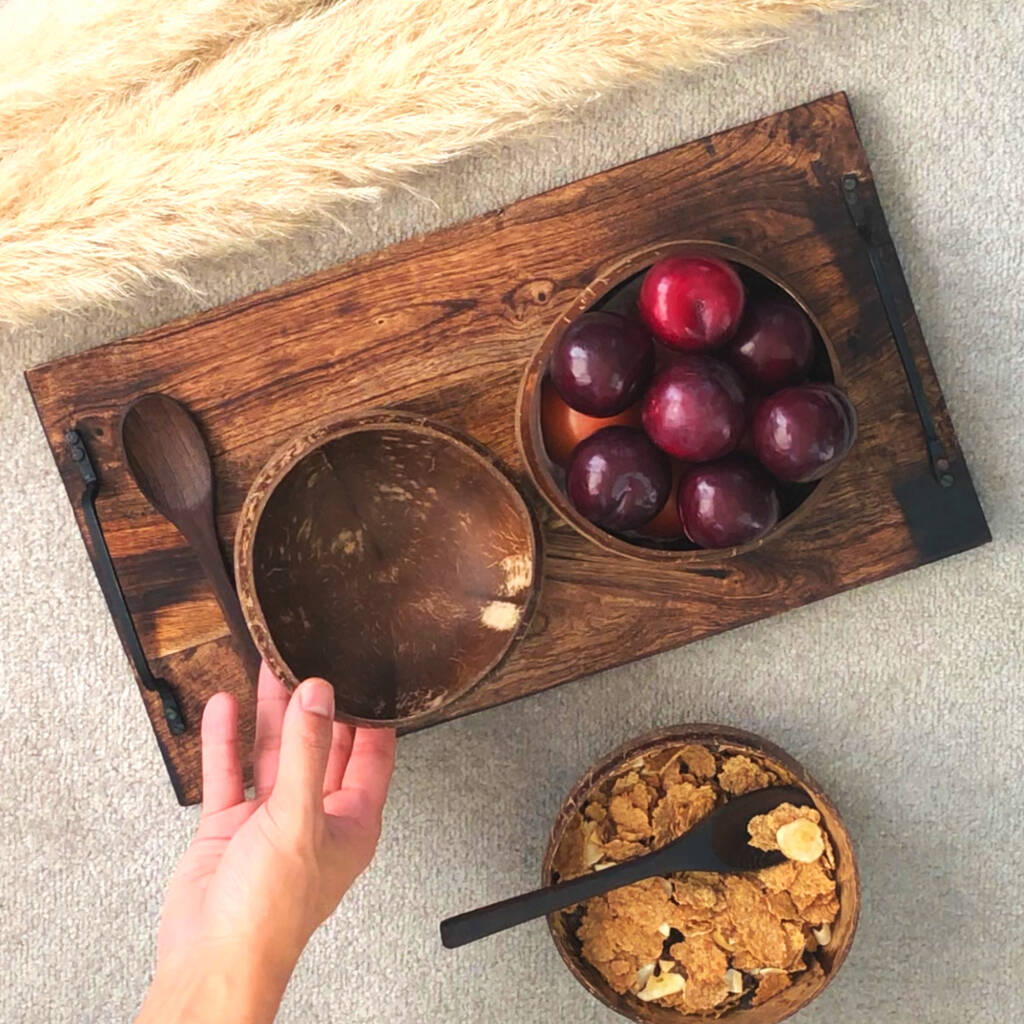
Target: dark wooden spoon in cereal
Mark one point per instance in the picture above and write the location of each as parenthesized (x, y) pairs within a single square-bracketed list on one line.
[(718, 843)]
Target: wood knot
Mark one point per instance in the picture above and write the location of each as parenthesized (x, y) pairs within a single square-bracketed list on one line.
[(538, 624), (529, 296)]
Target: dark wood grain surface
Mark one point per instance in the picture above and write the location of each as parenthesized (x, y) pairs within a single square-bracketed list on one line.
[(446, 324)]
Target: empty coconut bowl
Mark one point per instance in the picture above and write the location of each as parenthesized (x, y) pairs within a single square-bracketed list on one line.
[(389, 555)]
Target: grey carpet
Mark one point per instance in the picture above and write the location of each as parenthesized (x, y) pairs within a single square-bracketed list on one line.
[(904, 698)]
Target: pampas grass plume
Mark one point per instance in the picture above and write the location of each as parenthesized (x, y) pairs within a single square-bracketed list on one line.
[(140, 166)]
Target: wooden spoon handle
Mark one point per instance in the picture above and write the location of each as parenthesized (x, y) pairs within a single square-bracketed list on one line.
[(206, 546)]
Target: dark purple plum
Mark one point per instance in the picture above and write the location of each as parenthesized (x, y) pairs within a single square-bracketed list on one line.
[(618, 479), (746, 442), (602, 363), (729, 502), (802, 433), (694, 408), (773, 346), (745, 445)]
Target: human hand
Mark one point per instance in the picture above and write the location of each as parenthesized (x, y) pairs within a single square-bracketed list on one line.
[(261, 875)]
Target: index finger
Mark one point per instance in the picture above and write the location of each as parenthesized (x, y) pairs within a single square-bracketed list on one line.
[(367, 778), (271, 700), (221, 767)]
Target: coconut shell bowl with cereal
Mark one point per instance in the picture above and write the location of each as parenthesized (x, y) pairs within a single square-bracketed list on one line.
[(752, 947)]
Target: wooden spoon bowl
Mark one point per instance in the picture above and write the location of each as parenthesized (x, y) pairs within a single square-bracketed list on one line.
[(391, 556), (723, 740)]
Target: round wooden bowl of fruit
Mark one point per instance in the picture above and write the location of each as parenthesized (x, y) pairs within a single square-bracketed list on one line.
[(686, 406)]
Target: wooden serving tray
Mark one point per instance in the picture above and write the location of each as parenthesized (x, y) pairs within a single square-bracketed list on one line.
[(446, 324)]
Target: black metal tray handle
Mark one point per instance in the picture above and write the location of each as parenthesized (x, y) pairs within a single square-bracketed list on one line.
[(111, 587)]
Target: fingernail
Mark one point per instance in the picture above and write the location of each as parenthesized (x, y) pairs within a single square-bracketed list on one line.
[(317, 697)]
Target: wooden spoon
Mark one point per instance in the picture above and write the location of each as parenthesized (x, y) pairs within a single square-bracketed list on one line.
[(169, 461), (718, 843)]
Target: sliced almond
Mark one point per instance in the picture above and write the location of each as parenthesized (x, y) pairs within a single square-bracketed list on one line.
[(823, 934), (801, 840), (592, 849), (643, 976), (601, 865), (664, 930), (661, 986), (759, 971), (666, 965), (734, 981)]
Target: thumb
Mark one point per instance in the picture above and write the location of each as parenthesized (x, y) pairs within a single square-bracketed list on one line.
[(305, 746)]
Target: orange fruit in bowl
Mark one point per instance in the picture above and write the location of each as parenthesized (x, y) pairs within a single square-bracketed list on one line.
[(564, 427)]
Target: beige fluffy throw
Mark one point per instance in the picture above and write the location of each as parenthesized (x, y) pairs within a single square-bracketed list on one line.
[(135, 136)]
